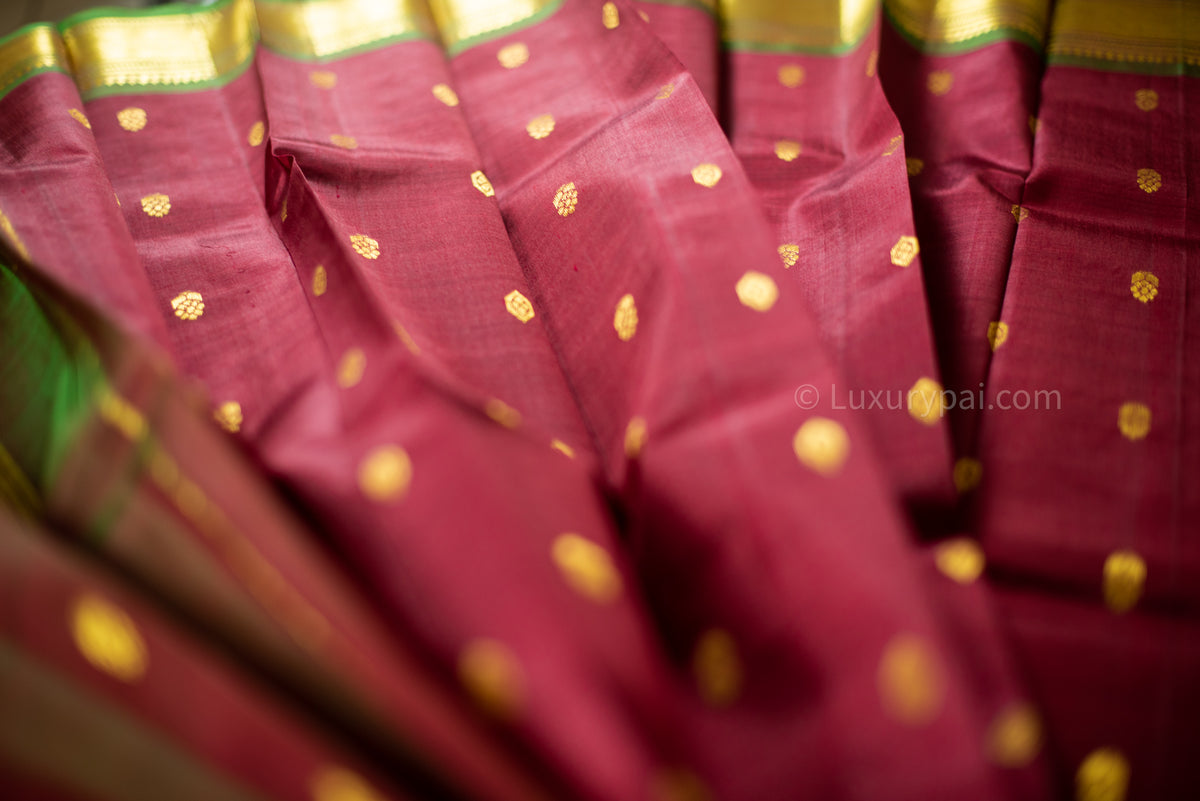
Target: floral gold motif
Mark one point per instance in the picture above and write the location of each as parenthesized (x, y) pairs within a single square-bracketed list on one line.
[(565, 199), (997, 334), (1146, 99), (385, 473), (108, 638), (1035, 124), (132, 118), (1124, 579), (323, 79), (790, 254), (914, 165), (960, 559), (80, 118), (1144, 286), (717, 668), (229, 416), (518, 306), (364, 246), (757, 290), (1015, 736), (872, 63), (822, 445), (156, 205), (609, 15), (1020, 213), (541, 126), (257, 131), (351, 367), (909, 680), (563, 448), (893, 145), (188, 305), (343, 141), (635, 437), (481, 182), (940, 82), (925, 401), (665, 91), (320, 280), (625, 319), (1133, 420), (339, 784), (1149, 180), (791, 75), (706, 174), (787, 149), (513, 55), (492, 677), (502, 413), (904, 251), (1102, 776), (445, 94), (587, 567)]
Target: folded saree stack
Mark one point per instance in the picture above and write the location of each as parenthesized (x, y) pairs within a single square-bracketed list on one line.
[(498, 400)]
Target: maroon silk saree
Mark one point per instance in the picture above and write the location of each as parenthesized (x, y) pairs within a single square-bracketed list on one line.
[(600, 400)]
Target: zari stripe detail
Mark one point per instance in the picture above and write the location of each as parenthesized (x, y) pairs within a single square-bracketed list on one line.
[(815, 26), (1154, 36), (170, 49), (16, 491), (325, 29), (30, 51), (465, 23), (956, 26)]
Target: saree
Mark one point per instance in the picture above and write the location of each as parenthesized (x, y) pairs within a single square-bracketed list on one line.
[(602, 400)]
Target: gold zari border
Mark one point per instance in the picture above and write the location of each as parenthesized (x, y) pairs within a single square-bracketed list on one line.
[(36, 49), (319, 29), (197, 47), (464, 22), (1151, 35), (956, 25), (193, 48), (820, 26)]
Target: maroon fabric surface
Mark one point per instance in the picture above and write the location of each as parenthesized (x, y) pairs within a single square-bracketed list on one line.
[(445, 263), (668, 445), (57, 192), (968, 118), (600, 717), (1126, 683), (843, 203), (1065, 487), (693, 36), (726, 527), (255, 336)]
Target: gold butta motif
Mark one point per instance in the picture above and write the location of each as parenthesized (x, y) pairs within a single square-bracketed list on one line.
[(156, 205), (188, 305), (1144, 286)]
